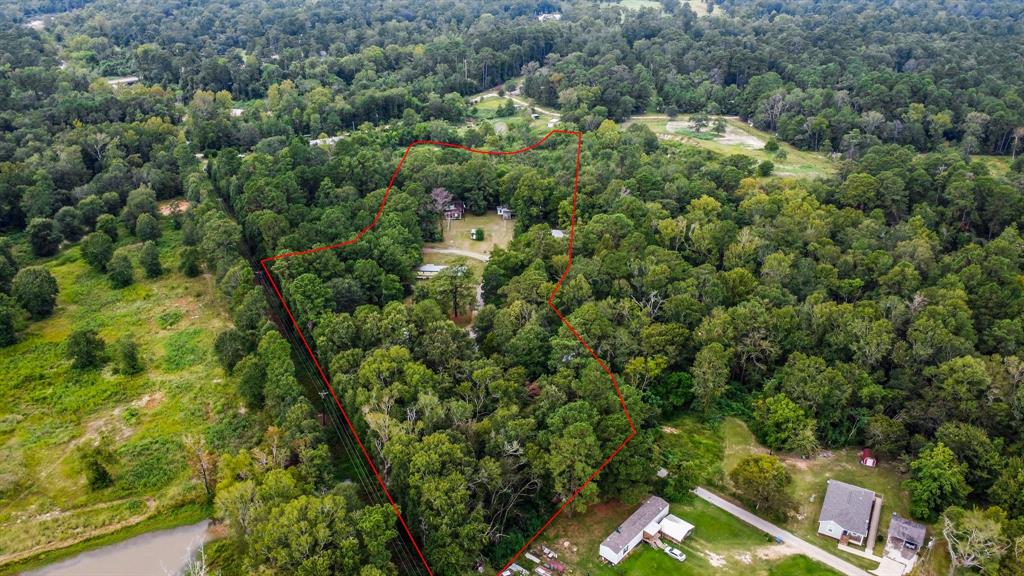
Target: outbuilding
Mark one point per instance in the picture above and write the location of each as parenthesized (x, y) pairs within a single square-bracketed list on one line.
[(675, 528)]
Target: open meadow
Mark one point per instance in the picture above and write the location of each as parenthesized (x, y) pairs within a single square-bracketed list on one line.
[(49, 411)]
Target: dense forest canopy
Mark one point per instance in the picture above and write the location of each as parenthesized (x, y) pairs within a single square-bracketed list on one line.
[(880, 306)]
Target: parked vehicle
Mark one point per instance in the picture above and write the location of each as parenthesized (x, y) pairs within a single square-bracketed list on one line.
[(675, 553)]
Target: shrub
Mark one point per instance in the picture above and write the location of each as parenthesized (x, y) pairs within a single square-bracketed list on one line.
[(86, 349), (35, 290), (43, 237), (127, 355), (97, 249), (765, 168), (107, 224), (147, 228), (149, 259), (771, 145), (69, 223), (119, 270), (189, 265)]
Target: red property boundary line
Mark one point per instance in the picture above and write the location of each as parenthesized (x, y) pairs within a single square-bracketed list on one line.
[(554, 291)]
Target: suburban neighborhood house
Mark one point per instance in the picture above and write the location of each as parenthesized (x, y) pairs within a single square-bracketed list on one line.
[(847, 512), (905, 538), (649, 522), (427, 271)]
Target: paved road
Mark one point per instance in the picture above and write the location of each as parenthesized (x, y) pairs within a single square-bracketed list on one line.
[(457, 252), (805, 547)]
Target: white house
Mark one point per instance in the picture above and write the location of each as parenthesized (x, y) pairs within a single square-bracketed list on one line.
[(645, 521), (675, 528)]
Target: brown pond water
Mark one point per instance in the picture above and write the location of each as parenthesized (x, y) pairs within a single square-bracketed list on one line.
[(160, 553)]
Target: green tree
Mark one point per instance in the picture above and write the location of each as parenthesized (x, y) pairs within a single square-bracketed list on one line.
[(97, 250), (126, 355), (147, 228), (119, 270), (765, 168), (230, 346), (107, 224), (69, 223), (454, 288), (86, 349), (763, 482), (189, 265), (779, 422), (711, 375), (43, 237), (140, 201), (936, 482), (8, 329), (35, 290), (975, 538), (149, 259)]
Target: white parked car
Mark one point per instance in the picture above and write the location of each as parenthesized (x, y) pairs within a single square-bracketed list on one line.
[(675, 553)]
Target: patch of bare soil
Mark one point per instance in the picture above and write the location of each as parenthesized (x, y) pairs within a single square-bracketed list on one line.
[(150, 401), (669, 430), (172, 207)]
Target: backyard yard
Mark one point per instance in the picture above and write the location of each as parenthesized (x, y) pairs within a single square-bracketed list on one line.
[(720, 544)]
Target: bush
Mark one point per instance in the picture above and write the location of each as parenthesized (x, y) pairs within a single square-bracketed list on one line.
[(771, 145), (107, 224), (90, 208), (43, 237), (127, 355), (94, 461), (97, 249), (147, 228), (85, 349), (149, 259), (8, 332), (69, 223), (119, 271), (765, 168), (231, 346), (35, 290), (189, 265)]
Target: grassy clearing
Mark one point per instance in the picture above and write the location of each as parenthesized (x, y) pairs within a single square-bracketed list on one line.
[(809, 485), (720, 544), (497, 233), (640, 4), (740, 138), (47, 409)]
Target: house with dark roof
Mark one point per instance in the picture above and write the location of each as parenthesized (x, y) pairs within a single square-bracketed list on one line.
[(904, 533), (846, 512), (644, 523), (455, 210)]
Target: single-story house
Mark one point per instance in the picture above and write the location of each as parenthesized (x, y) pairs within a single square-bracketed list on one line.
[(455, 211), (505, 212), (675, 528), (846, 512), (630, 533), (429, 270), (906, 533), (552, 16), (558, 233)]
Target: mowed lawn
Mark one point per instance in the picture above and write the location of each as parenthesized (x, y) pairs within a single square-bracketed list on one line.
[(48, 409), (720, 544), (497, 233), (810, 479)]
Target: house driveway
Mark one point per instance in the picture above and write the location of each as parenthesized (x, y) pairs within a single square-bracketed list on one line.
[(805, 547)]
